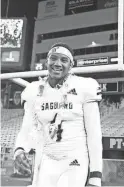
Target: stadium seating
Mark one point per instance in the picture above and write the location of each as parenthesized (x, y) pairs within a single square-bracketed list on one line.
[(112, 119), (11, 120), (8, 114)]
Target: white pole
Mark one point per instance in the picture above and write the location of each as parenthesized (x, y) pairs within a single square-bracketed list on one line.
[(120, 32), (25, 74), (77, 70), (20, 82), (7, 9)]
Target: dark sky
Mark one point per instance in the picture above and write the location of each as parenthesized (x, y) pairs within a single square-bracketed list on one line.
[(19, 8)]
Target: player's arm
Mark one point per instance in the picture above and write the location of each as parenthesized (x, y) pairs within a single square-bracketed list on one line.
[(23, 141), (93, 132)]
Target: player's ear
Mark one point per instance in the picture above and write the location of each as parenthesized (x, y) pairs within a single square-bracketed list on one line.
[(75, 62), (71, 66), (47, 63)]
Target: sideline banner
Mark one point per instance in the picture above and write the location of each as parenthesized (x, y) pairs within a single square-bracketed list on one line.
[(113, 143), (93, 61), (79, 6)]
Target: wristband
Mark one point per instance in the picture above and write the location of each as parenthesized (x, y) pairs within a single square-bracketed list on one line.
[(96, 174)]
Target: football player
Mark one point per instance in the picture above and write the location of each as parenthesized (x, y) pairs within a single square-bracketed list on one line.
[(62, 122)]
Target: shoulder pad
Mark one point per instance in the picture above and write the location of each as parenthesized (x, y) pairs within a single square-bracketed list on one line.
[(30, 91), (93, 90)]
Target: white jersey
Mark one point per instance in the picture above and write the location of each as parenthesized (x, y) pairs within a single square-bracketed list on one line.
[(64, 107)]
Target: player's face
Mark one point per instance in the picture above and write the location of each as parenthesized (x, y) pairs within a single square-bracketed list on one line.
[(58, 65)]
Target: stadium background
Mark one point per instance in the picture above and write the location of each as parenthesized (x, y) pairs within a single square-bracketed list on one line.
[(91, 28)]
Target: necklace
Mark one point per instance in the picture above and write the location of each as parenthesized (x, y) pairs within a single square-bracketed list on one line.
[(60, 82), (45, 80)]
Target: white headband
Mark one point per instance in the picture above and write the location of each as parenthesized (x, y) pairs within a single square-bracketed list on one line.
[(61, 50)]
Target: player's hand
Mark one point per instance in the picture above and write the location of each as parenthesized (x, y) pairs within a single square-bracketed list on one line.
[(22, 164), (52, 130)]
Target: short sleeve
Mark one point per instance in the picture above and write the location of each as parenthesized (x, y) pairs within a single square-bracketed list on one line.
[(93, 91), (29, 92)]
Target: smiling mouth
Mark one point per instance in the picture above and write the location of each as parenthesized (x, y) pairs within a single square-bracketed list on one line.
[(57, 70)]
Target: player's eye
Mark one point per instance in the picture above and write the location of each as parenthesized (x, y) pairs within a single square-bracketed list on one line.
[(64, 60), (53, 57)]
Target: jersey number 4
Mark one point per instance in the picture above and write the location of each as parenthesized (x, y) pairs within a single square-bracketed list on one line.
[(59, 132)]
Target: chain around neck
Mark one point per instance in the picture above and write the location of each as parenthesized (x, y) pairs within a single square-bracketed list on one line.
[(58, 86), (61, 82)]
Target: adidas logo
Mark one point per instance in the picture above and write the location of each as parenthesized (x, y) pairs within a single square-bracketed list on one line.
[(73, 91), (74, 163)]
